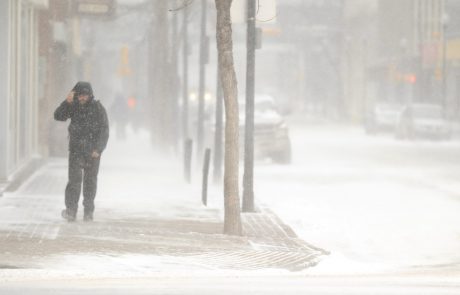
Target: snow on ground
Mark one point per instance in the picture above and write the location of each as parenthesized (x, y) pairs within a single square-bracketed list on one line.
[(130, 170), (377, 204)]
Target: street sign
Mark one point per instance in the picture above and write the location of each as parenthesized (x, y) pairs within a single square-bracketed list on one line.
[(238, 11), (42, 4), (453, 49), (258, 38), (124, 69), (94, 7), (266, 11)]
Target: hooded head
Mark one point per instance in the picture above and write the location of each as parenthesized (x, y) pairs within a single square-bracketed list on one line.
[(83, 88)]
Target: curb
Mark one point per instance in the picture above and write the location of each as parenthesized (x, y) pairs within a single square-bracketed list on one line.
[(24, 173)]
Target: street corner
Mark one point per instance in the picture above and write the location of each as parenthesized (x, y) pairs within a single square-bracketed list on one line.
[(275, 244)]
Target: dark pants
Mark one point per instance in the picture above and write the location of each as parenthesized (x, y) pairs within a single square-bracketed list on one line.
[(84, 168)]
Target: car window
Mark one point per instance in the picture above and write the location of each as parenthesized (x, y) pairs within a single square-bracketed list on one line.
[(261, 106), (265, 106)]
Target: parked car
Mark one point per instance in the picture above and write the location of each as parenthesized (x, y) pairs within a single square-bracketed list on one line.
[(423, 120), (383, 116), (271, 133)]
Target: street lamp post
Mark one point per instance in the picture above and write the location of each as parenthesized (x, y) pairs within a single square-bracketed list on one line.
[(202, 78), (248, 177), (445, 20)]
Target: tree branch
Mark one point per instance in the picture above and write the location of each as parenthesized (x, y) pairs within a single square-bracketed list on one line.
[(185, 4)]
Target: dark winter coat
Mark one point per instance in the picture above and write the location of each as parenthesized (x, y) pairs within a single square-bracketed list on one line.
[(89, 126)]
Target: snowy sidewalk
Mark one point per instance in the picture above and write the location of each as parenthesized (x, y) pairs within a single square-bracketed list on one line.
[(144, 212)]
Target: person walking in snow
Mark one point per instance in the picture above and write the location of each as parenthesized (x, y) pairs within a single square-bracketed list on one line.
[(88, 136)]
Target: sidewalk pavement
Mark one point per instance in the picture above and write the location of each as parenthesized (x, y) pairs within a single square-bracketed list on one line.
[(144, 212)]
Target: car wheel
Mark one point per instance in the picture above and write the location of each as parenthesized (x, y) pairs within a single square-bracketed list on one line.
[(283, 156)]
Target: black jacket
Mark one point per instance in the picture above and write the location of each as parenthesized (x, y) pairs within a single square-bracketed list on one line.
[(89, 125)]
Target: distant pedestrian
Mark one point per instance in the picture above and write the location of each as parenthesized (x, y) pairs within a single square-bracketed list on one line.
[(119, 114), (88, 136)]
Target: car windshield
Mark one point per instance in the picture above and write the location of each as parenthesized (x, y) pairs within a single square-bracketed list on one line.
[(261, 105), (265, 106)]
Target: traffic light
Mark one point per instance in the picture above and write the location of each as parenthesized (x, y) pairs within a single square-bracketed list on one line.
[(410, 78), (124, 69), (131, 102)]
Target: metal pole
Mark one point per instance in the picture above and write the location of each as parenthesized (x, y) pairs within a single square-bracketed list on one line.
[(218, 138), (185, 74), (175, 81), (444, 69), (5, 97), (248, 178), (204, 191), (201, 88), (188, 160), (419, 93)]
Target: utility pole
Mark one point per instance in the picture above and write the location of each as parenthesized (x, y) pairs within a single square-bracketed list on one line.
[(444, 98), (5, 7), (201, 88), (175, 80), (445, 20), (418, 90), (248, 177), (217, 168), (185, 134)]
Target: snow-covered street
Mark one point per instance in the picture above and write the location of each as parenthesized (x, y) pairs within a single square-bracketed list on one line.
[(378, 204), (211, 284)]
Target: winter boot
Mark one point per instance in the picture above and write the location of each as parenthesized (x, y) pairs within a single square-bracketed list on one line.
[(88, 217), (67, 215)]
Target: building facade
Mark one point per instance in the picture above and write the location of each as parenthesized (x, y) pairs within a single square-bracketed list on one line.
[(401, 52), (452, 56), (358, 55), (40, 61), (19, 86)]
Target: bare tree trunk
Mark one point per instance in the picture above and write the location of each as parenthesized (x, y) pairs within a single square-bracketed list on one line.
[(232, 222), (162, 107)]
